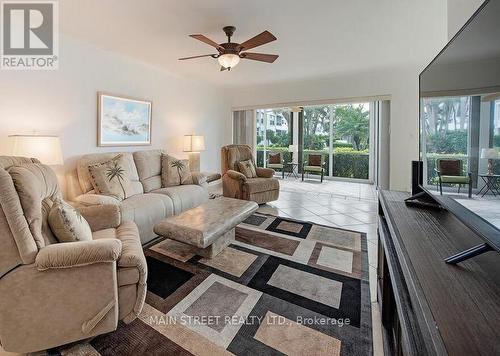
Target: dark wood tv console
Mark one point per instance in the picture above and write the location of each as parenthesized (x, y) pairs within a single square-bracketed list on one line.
[(429, 307)]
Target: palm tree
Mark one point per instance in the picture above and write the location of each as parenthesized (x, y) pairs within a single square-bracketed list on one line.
[(180, 166), (116, 172)]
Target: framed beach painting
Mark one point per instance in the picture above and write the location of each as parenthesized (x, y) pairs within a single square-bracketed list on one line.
[(123, 121)]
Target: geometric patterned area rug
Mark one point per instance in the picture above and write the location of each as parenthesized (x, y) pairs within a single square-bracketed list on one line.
[(282, 287)]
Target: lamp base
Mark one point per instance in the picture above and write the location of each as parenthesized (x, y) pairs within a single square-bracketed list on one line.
[(194, 161)]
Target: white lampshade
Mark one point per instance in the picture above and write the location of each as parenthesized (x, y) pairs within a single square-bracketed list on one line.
[(47, 149), (194, 143), (229, 60), (489, 153)]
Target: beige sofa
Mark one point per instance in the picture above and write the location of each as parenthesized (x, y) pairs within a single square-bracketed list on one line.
[(55, 293), (261, 189), (150, 202)]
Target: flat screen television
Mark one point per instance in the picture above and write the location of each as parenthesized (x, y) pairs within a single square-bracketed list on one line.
[(460, 128)]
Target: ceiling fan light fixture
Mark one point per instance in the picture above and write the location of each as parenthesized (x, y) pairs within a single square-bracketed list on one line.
[(229, 53), (229, 60)]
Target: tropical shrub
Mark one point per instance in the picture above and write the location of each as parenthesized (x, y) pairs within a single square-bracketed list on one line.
[(450, 142)]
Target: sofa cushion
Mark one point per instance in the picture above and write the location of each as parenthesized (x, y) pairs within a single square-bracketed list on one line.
[(86, 160), (175, 171), (111, 178), (148, 163), (146, 210), (184, 197), (313, 168), (37, 188), (67, 223), (256, 185)]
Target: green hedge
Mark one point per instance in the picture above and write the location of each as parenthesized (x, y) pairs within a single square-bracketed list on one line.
[(347, 162), (351, 164)]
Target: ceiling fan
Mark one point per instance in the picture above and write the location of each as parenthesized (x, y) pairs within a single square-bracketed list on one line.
[(230, 53)]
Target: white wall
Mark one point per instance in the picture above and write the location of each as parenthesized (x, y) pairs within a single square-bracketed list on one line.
[(459, 11), (400, 83), (64, 103)]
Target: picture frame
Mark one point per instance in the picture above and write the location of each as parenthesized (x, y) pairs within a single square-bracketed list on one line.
[(123, 120)]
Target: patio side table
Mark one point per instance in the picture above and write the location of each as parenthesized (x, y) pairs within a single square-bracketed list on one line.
[(491, 184), (292, 170)]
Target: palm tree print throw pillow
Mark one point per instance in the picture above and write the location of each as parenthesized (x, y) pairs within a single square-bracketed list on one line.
[(247, 168), (175, 171), (111, 178)]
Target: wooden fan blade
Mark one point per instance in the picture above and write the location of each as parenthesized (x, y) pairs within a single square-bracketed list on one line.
[(259, 40), (203, 55), (206, 40), (269, 58)]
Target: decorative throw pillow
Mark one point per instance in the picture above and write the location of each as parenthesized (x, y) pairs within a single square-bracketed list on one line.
[(450, 167), (111, 178), (67, 224), (175, 171), (315, 160), (247, 168), (274, 158)]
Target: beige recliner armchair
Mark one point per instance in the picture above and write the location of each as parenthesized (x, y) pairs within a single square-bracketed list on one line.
[(55, 293), (262, 189)]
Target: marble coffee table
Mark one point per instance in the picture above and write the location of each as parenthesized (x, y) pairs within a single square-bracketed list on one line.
[(208, 228)]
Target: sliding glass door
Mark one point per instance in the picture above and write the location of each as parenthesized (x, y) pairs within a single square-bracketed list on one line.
[(338, 132), (351, 141), (341, 133), (274, 133), (316, 128)]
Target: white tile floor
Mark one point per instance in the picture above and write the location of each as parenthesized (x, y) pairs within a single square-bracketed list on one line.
[(341, 204)]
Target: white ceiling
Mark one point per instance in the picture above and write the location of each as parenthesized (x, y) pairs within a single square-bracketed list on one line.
[(315, 38)]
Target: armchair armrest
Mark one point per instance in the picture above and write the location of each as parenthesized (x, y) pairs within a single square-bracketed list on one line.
[(236, 175), (96, 199), (264, 172), (80, 253), (101, 217), (199, 178)]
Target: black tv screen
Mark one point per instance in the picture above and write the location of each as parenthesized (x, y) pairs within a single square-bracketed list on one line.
[(460, 122)]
